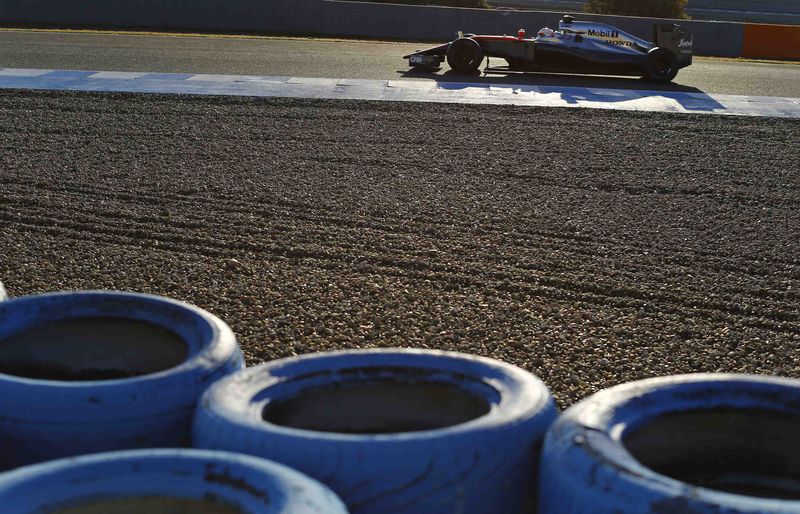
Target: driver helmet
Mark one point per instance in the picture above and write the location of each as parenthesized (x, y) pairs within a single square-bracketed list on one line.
[(547, 32)]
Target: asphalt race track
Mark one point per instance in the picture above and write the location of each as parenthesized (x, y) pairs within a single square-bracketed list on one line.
[(591, 247), (351, 59)]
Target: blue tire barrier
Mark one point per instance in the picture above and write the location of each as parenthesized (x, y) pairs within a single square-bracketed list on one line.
[(168, 481), (390, 431), (694, 444), (87, 372)]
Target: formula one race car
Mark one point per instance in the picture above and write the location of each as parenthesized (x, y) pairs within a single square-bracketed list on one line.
[(576, 47)]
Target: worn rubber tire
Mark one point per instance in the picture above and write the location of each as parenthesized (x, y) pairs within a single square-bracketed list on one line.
[(675, 445), (486, 464), (244, 484), (465, 55), (43, 419), (660, 65)]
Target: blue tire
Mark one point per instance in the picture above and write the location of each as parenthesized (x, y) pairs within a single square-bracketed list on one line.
[(164, 482), (693, 444), (100, 371), (390, 431)]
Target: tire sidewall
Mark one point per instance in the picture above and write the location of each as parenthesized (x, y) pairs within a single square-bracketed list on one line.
[(651, 71), (586, 468), (252, 483), (453, 59), (500, 440), (147, 410)]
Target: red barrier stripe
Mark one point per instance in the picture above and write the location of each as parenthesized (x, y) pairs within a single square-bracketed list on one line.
[(764, 41)]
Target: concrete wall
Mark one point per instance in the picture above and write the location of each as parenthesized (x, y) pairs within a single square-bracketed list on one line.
[(283, 16), (758, 11), (761, 11), (341, 18)]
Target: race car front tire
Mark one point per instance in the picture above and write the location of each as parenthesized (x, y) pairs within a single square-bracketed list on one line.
[(660, 65), (464, 55)]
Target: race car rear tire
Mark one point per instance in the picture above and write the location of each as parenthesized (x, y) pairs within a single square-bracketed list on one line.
[(464, 55), (660, 65), (699, 444), (391, 431)]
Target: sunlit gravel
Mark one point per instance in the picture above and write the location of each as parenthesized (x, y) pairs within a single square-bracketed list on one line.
[(590, 247)]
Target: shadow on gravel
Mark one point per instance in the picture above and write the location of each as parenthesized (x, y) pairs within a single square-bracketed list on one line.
[(690, 98), (549, 79)]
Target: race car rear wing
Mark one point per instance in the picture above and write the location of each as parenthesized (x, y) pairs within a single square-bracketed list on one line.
[(675, 39)]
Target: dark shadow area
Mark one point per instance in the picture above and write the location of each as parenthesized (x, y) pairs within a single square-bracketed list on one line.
[(548, 79), (740, 451), (384, 405), (91, 348), (574, 88)]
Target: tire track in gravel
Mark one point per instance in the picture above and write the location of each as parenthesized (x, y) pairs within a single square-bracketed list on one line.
[(172, 238), (589, 247), (136, 229), (550, 289), (95, 219), (523, 238)]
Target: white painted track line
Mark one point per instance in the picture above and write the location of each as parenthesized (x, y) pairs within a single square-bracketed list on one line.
[(401, 90)]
